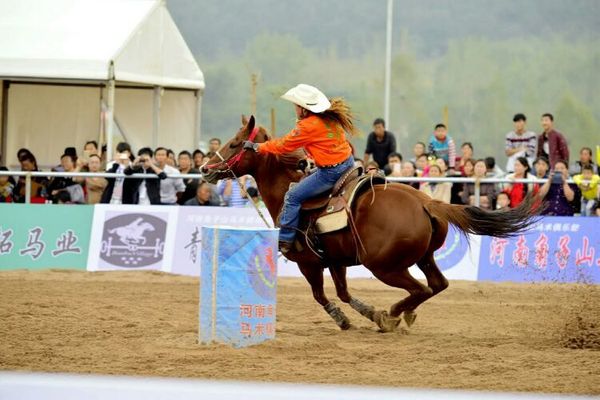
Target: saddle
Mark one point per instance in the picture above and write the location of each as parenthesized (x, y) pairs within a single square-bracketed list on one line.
[(332, 209)]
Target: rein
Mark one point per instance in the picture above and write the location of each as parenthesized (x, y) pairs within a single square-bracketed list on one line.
[(236, 158), (232, 162)]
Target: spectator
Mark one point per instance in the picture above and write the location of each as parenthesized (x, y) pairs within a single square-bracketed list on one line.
[(487, 191), (468, 168), (6, 188), (62, 197), (91, 147), (519, 143), (409, 171), (94, 186), (231, 192), (503, 202), (440, 162), (39, 184), (559, 195), (493, 170), (394, 164), (75, 190), (172, 187), (254, 197), (69, 151), (466, 154), (551, 143), (191, 184), (418, 150), (421, 164), (542, 166), (438, 191), (372, 168), (214, 145), (204, 196), (441, 145), (380, 143), (585, 158), (587, 182), (457, 189), (139, 190), (198, 157), (517, 191), (113, 193), (171, 158)]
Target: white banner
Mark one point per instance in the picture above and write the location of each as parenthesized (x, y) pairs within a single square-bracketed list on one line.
[(168, 238)]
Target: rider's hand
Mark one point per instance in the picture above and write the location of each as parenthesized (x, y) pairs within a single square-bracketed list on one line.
[(248, 145)]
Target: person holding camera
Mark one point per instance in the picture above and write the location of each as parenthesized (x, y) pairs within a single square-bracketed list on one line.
[(560, 196), (143, 191)]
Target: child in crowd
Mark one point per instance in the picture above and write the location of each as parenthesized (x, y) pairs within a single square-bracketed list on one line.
[(6, 188), (503, 201), (587, 182)]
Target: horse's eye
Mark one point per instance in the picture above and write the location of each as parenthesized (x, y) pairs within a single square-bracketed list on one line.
[(234, 145)]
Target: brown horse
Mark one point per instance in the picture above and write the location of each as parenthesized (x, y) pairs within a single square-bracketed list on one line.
[(398, 226)]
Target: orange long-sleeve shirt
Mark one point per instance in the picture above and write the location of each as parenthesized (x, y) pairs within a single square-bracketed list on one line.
[(324, 140)]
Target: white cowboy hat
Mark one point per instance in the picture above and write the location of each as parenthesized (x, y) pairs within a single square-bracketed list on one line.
[(308, 97)]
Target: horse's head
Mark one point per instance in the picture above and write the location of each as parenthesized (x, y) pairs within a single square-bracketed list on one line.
[(231, 158)]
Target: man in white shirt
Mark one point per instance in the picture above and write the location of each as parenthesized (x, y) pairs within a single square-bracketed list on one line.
[(520, 143), (170, 188)]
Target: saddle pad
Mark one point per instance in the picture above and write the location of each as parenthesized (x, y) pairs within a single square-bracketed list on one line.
[(332, 222)]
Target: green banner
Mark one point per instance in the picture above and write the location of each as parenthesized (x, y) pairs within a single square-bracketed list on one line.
[(41, 236)]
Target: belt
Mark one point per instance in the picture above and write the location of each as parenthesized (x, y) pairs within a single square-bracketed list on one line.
[(330, 166)]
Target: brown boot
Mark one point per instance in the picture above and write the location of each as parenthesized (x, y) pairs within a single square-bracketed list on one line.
[(285, 247)]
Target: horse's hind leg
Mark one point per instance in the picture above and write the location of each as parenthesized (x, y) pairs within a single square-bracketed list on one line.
[(314, 276), (418, 293), (435, 280)]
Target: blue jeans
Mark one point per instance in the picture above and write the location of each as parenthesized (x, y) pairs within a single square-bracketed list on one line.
[(319, 182)]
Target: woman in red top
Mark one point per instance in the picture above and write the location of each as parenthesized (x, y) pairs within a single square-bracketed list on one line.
[(321, 130), (517, 191)]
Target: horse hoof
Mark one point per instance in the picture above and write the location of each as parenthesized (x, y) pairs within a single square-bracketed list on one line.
[(384, 321), (346, 325), (409, 317)]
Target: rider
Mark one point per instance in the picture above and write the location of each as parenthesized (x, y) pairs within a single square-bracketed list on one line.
[(321, 128)]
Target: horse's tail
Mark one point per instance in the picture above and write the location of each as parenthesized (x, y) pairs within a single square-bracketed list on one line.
[(477, 221)]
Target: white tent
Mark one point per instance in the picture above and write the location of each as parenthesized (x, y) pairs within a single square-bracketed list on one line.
[(68, 66)]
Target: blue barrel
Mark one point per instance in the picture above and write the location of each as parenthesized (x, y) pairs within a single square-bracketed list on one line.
[(238, 285)]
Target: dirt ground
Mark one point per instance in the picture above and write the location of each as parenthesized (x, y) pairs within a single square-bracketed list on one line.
[(506, 337)]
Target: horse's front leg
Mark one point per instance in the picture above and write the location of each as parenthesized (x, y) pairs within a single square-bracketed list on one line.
[(314, 276), (385, 323)]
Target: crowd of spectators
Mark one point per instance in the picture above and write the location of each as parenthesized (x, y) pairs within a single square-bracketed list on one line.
[(570, 188), (166, 189)]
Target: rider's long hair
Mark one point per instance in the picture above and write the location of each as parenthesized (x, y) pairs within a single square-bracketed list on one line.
[(340, 112)]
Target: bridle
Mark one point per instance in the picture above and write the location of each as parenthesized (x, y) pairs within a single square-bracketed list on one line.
[(233, 160)]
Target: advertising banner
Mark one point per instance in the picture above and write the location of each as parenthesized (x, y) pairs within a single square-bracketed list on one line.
[(557, 249), (187, 253), (238, 285), (127, 237), (44, 236)]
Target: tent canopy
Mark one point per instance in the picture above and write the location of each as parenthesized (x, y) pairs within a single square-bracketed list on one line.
[(79, 39)]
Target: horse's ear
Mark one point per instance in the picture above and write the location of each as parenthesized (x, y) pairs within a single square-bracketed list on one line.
[(244, 120), (251, 123)]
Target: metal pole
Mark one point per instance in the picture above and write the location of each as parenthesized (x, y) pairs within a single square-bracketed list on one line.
[(477, 193), (28, 188), (198, 127), (156, 116), (110, 102), (273, 133), (388, 61), (254, 83)]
